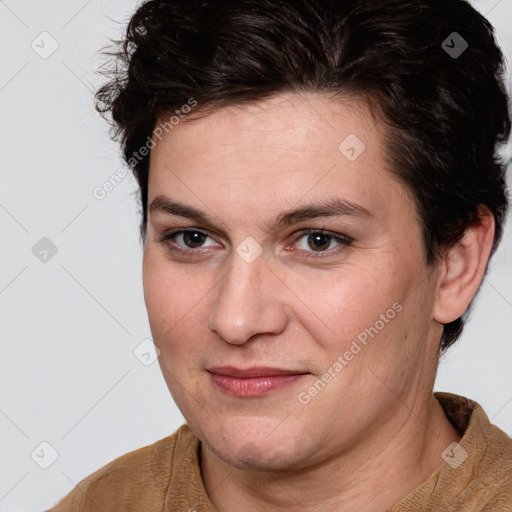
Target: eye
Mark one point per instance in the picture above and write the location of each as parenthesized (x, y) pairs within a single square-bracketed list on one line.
[(319, 241), (312, 242), (191, 239)]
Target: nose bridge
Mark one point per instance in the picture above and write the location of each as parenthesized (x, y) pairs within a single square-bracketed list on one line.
[(246, 301)]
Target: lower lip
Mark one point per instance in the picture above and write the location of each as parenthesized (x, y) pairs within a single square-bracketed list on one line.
[(254, 386)]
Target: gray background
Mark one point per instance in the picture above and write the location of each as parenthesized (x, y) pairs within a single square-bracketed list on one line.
[(73, 372)]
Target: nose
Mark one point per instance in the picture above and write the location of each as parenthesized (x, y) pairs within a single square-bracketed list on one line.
[(248, 301)]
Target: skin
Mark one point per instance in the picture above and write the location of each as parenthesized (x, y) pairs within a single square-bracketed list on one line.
[(375, 432)]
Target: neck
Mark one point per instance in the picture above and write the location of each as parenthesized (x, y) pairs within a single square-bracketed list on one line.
[(368, 477)]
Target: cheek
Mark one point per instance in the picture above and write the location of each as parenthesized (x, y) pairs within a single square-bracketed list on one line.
[(175, 301), (159, 302), (336, 308), (162, 294), (331, 309)]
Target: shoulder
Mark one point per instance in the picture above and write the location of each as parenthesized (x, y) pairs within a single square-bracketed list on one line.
[(483, 476), (476, 474), (130, 482), (499, 476)]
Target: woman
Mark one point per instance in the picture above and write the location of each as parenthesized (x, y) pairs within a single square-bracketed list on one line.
[(321, 196)]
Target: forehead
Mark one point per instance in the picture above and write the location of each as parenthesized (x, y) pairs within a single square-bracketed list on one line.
[(302, 120), (277, 152)]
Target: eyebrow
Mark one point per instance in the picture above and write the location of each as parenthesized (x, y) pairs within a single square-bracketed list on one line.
[(335, 207)]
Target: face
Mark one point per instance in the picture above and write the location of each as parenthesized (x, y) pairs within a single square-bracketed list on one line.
[(286, 338)]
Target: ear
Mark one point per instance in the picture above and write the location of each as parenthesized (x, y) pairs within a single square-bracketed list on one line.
[(462, 269)]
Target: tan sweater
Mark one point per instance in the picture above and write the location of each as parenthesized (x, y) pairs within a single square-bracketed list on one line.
[(165, 476)]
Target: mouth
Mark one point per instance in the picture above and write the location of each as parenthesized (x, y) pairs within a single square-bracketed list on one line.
[(255, 381)]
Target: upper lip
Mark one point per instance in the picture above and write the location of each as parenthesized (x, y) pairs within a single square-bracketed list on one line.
[(253, 371)]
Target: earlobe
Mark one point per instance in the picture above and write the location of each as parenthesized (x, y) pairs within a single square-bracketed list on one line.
[(462, 269)]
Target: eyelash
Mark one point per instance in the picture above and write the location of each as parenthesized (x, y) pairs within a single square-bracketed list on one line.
[(344, 240)]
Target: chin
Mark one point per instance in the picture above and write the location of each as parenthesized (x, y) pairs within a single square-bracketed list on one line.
[(256, 443), (254, 457)]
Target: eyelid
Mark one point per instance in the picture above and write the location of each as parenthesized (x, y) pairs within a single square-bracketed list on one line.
[(336, 236), (169, 235), (342, 239)]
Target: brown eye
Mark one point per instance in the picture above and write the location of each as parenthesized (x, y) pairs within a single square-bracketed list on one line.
[(186, 240), (193, 239), (319, 241)]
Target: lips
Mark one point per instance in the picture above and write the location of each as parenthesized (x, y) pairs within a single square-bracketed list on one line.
[(253, 382), (254, 371)]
